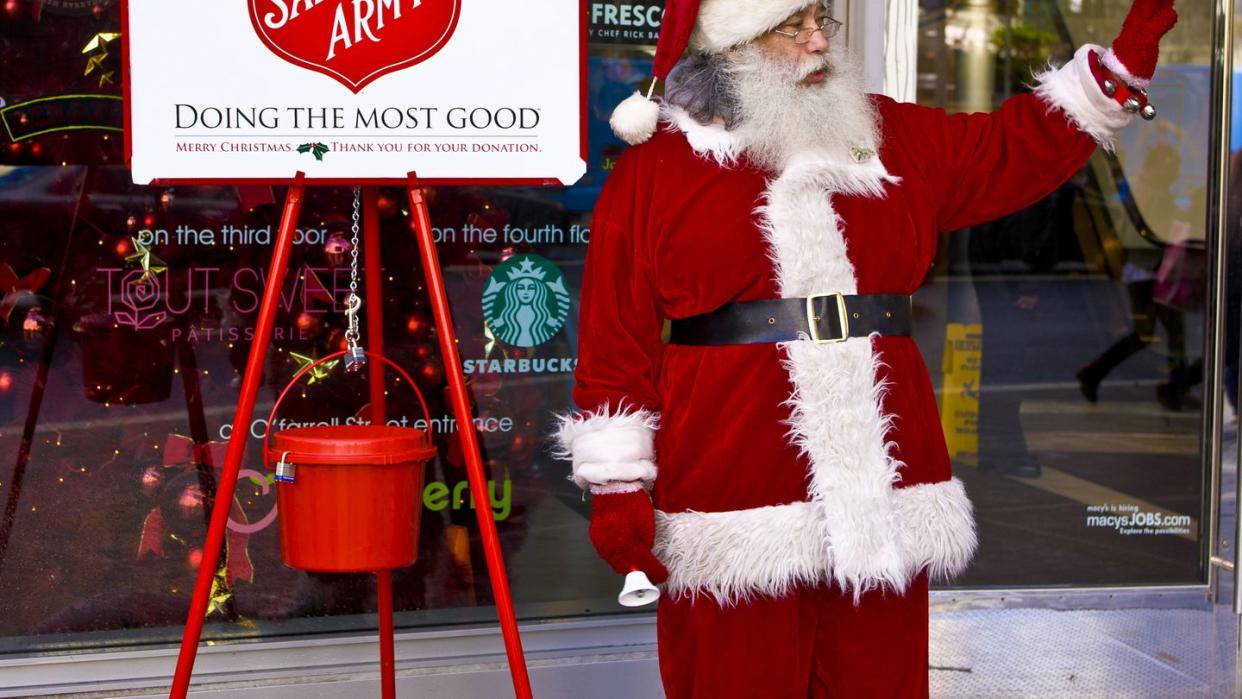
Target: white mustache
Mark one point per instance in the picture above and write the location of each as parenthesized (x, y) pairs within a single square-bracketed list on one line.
[(823, 63)]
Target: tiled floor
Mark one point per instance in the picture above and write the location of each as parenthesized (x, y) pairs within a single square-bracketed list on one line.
[(1113, 654), (1045, 653)]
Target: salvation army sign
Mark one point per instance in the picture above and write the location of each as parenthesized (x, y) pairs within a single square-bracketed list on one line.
[(460, 91), (354, 42)]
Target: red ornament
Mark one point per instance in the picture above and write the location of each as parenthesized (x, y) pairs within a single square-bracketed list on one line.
[(418, 326), (152, 478), (432, 372), (424, 351), (191, 501), (194, 558), (6, 381), (308, 324), (336, 247), (523, 448), (386, 205)]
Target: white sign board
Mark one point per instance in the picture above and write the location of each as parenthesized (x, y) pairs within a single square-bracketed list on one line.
[(351, 91)]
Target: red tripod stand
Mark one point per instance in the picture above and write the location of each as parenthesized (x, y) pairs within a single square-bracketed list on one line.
[(461, 410)]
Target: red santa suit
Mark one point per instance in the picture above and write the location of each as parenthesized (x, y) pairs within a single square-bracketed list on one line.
[(803, 491)]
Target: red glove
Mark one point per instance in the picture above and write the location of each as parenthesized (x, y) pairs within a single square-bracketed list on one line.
[(1135, 51), (623, 532)]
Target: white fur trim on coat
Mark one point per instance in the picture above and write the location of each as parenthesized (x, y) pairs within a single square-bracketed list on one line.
[(836, 416), (711, 141), (609, 446), (723, 24), (1074, 90), (735, 556)]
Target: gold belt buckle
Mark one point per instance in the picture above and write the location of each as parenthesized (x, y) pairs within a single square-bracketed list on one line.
[(812, 320)]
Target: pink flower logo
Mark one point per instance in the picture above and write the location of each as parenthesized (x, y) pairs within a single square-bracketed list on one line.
[(140, 291)]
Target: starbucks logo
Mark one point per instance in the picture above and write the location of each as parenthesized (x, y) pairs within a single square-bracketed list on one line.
[(525, 302)]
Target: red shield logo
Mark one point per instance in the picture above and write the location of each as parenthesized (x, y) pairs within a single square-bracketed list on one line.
[(355, 41)]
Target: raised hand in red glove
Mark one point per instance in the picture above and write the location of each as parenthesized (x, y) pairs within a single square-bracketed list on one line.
[(623, 532), (1134, 53)]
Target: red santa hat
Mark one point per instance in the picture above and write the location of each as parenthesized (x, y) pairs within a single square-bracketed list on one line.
[(710, 26)]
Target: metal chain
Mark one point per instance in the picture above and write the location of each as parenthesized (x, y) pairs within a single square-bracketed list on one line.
[(353, 248), (354, 303)]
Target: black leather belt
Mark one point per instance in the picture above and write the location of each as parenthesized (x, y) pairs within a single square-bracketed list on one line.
[(821, 318)]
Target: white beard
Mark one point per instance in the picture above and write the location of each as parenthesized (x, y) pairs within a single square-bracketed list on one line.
[(781, 118)]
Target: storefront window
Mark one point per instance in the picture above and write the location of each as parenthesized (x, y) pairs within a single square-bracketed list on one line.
[(1066, 342), (1070, 335), (127, 317)]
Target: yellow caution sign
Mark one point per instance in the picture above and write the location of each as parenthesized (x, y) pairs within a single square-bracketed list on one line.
[(959, 403)]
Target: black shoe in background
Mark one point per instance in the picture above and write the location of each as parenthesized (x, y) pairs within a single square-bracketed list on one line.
[(1089, 385)]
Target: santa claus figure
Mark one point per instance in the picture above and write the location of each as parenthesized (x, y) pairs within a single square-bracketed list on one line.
[(776, 460)]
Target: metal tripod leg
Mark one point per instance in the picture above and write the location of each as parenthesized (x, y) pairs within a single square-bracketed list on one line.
[(237, 441), (469, 439)]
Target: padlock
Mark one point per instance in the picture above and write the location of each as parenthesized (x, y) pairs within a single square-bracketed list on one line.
[(284, 469), (355, 359)]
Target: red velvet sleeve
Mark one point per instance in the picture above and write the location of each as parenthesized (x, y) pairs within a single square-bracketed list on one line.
[(984, 166), (996, 164), (620, 321)]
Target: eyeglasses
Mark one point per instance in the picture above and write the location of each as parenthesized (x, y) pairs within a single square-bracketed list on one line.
[(829, 26)]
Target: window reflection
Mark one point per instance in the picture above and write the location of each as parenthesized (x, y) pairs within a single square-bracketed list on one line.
[(1067, 337), (127, 317), (1072, 331)]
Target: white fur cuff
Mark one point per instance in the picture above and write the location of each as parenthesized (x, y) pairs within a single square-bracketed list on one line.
[(617, 488), (1073, 90), (609, 446), (766, 551)]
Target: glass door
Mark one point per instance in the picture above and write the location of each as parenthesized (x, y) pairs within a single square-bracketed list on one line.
[(1088, 388), (1070, 336)]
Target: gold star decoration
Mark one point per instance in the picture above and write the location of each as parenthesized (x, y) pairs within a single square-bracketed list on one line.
[(96, 51), (319, 373), (221, 596), (100, 41), (95, 62), (151, 265)]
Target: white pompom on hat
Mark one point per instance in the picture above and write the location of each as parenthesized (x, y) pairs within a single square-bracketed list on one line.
[(710, 26)]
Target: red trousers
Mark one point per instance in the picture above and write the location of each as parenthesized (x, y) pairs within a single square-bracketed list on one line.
[(811, 643)]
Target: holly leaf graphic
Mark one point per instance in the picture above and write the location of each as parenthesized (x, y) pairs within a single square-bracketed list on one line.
[(315, 149)]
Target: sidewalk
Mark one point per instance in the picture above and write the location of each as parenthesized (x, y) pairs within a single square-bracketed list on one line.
[(1173, 653)]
